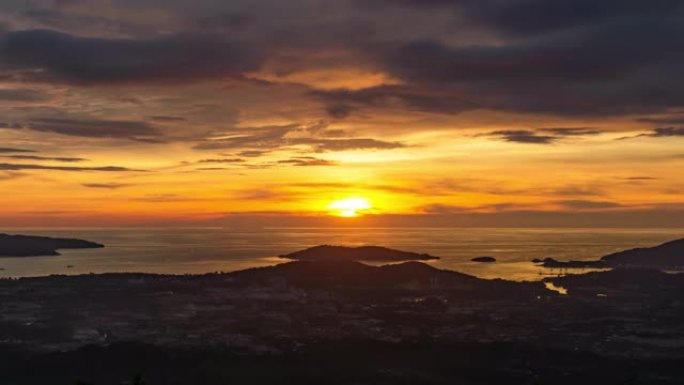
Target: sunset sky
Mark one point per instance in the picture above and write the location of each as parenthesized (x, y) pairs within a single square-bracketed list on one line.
[(273, 112)]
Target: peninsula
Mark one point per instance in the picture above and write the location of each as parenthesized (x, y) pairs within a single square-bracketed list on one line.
[(34, 246), (669, 255)]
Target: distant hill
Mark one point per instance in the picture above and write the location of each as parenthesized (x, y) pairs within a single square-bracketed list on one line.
[(33, 246), (670, 254), (363, 253)]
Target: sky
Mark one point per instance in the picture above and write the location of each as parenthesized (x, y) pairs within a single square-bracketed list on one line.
[(280, 113)]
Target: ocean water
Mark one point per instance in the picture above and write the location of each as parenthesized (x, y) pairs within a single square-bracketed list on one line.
[(202, 250)]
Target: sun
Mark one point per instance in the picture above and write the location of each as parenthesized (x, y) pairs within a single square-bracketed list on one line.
[(350, 207)]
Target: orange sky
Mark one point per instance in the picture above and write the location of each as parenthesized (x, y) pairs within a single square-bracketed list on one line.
[(135, 113)]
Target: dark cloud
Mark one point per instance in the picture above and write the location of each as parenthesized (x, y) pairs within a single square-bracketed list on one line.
[(252, 153), (47, 158), (561, 57), (20, 167), (22, 95), (542, 135), (578, 204), (165, 118), (56, 56), (675, 120), (571, 131), (660, 132), (323, 145), (666, 132), (525, 17), (274, 137), (523, 136), (307, 161), (625, 66), (222, 160), (533, 16), (267, 137), (339, 111), (226, 20), (96, 128), (640, 178), (6, 150), (106, 186)]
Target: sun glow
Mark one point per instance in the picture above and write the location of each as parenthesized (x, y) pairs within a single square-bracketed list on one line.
[(350, 207)]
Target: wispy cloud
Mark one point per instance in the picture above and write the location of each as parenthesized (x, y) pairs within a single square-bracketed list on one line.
[(19, 167)]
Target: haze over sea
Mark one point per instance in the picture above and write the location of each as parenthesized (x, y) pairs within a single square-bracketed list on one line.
[(203, 250)]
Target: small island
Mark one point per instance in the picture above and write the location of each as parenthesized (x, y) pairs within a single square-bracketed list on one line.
[(363, 253), (34, 246), (484, 259)]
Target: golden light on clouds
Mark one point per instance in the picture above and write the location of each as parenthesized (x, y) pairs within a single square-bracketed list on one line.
[(350, 207)]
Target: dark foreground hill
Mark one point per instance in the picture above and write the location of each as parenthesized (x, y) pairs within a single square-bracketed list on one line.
[(341, 322), (363, 253), (32, 246), (333, 274)]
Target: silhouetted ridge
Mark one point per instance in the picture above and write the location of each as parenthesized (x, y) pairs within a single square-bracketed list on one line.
[(30, 246), (363, 253), (330, 274), (668, 255)]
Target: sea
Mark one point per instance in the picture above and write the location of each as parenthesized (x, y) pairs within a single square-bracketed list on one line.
[(205, 250)]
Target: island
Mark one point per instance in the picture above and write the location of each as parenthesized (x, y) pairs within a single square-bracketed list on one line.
[(362, 253), (34, 246), (484, 259), (668, 256)]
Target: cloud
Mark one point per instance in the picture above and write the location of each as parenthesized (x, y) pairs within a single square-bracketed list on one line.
[(660, 132), (22, 95), (570, 131), (269, 138), (666, 132), (324, 145), (578, 204), (563, 57), (222, 160), (675, 120), (166, 118), (307, 161), (571, 205), (531, 17), (523, 136), (107, 186), (96, 128), (339, 111), (35, 157), (55, 56), (542, 135), (6, 150), (625, 63), (252, 153), (640, 178), (19, 167)]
